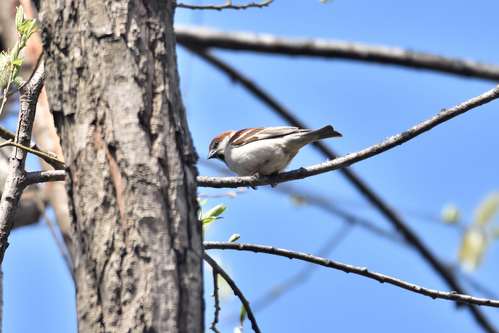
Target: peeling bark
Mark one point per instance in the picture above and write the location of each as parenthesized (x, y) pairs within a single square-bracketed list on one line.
[(113, 89)]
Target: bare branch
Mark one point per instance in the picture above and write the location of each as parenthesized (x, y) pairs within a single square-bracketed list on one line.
[(303, 275), (47, 157), (6, 134), (44, 176), (324, 48), (15, 177), (347, 160), (383, 207), (216, 267), (228, 5), (216, 300), (51, 159), (363, 271), (322, 202)]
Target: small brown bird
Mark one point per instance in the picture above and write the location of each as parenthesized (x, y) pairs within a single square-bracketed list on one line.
[(264, 151)]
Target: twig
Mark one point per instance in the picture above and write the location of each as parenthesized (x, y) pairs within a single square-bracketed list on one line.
[(15, 177), (6, 134), (312, 47), (44, 176), (363, 271), (47, 157), (216, 300), (227, 5), (305, 273), (216, 267), (347, 160), (383, 207), (320, 202)]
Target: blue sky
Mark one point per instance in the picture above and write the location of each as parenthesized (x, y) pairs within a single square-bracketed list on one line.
[(455, 162)]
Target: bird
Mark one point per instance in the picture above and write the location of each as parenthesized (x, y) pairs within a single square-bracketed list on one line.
[(264, 151)]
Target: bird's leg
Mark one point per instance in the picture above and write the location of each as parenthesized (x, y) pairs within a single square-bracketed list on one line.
[(255, 176), (273, 175)]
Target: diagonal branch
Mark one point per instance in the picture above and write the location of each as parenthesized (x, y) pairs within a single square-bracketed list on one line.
[(362, 271), (51, 159), (347, 160), (216, 267), (279, 289), (388, 212), (333, 49), (325, 204), (14, 184), (228, 5)]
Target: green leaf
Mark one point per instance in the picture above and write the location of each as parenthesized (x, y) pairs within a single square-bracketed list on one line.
[(208, 220), (234, 238), (19, 17), (487, 209), (17, 62), (242, 315), (450, 214), (473, 247), (216, 211), (27, 28), (213, 214)]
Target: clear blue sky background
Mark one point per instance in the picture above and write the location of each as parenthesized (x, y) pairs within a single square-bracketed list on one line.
[(456, 162)]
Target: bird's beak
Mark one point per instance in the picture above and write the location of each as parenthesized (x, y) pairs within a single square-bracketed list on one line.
[(337, 134), (212, 154)]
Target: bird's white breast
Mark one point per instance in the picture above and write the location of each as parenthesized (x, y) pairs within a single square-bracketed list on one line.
[(263, 156)]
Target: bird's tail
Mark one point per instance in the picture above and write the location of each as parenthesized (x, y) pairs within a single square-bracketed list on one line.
[(323, 133)]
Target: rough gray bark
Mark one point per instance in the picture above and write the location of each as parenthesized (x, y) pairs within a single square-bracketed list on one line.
[(113, 89)]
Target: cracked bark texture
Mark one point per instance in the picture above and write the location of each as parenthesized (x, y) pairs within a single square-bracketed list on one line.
[(113, 89)]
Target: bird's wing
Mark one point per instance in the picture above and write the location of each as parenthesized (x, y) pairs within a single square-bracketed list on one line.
[(248, 135)]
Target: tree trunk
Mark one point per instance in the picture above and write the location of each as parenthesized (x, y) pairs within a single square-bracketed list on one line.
[(114, 91)]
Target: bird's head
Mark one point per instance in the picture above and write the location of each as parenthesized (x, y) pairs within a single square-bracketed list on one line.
[(218, 144)]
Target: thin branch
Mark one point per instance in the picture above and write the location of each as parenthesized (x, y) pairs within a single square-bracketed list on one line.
[(227, 5), (37, 64), (324, 48), (216, 267), (383, 207), (47, 157), (303, 275), (52, 160), (216, 305), (347, 160), (14, 184), (44, 176), (316, 200), (363, 271), (6, 134)]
